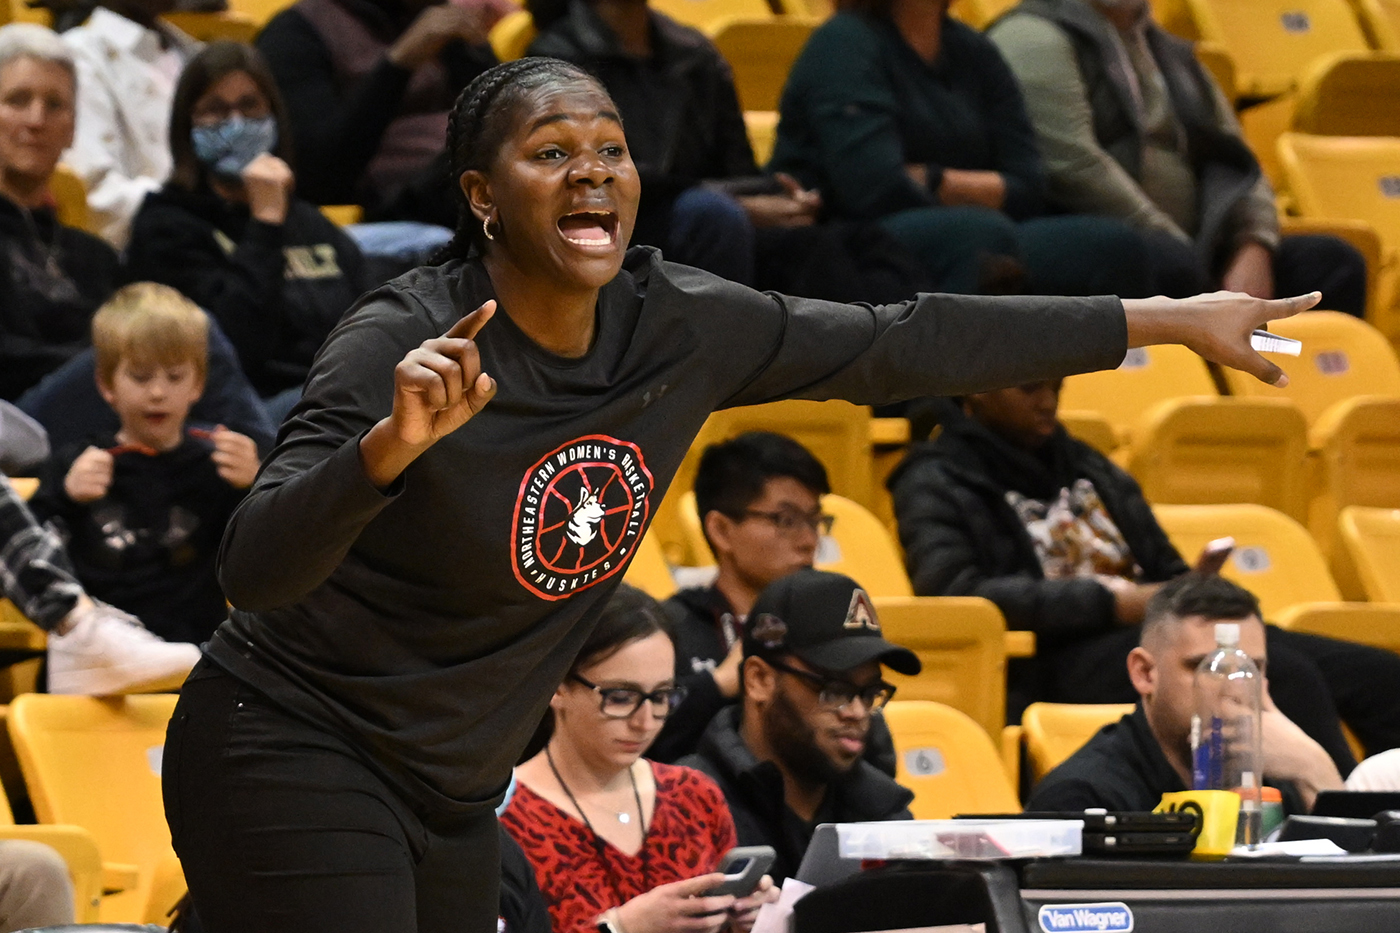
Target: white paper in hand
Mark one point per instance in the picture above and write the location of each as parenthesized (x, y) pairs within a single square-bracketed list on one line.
[(1265, 342), (775, 916)]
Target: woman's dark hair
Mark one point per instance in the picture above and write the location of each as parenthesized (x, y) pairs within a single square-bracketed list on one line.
[(213, 63), (477, 128), (630, 615)]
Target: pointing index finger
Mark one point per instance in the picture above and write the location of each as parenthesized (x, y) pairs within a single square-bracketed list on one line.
[(1287, 307), (471, 324)]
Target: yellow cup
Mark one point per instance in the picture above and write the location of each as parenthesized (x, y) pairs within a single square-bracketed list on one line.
[(1220, 813)]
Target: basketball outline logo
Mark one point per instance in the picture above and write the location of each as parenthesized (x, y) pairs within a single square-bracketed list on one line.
[(579, 514)]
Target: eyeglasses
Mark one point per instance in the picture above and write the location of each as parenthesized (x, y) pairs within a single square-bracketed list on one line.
[(790, 522), (834, 694), (623, 702)]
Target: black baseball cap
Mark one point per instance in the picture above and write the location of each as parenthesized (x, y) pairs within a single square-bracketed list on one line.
[(825, 619)]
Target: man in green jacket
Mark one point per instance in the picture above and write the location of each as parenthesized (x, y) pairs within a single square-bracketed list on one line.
[(1131, 126)]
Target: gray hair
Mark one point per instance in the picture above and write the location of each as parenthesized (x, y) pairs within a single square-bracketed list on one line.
[(30, 40)]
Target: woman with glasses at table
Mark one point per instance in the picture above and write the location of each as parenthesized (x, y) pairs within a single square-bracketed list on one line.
[(621, 844)]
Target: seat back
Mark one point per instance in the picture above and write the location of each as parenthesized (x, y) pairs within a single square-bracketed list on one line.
[(1357, 446), (512, 35), (1272, 40), (1362, 623), (1372, 539), (948, 762), (649, 571), (1274, 558), (95, 763), (1207, 450), (1054, 731), (761, 52), (762, 128), (1350, 94), (961, 641), (703, 14), (260, 11), (1145, 377), (1342, 357), (1381, 21), (70, 199), (860, 546)]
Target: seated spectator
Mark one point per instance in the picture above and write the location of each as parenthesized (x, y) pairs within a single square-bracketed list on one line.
[(1132, 127), (676, 96), (144, 510), (897, 113), (759, 499), (789, 755), (368, 85), (1129, 765), (93, 649), (128, 61), (34, 887), (54, 277), (612, 836), (228, 232), (1006, 505)]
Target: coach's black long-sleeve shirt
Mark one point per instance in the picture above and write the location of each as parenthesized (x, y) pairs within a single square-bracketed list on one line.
[(431, 623)]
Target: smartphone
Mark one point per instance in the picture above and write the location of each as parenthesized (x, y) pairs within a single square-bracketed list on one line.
[(1214, 555), (743, 867)]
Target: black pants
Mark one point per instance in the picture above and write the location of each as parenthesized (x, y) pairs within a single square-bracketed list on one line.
[(283, 828), (1316, 682), (1302, 264)]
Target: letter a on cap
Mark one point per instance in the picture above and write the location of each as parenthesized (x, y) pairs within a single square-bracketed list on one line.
[(862, 613)]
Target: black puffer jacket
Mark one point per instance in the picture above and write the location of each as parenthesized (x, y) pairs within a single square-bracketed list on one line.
[(962, 538)]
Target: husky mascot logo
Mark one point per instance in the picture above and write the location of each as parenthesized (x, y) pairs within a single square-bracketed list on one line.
[(579, 515)]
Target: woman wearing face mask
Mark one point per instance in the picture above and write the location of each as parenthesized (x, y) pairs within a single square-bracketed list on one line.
[(228, 231), (614, 837)]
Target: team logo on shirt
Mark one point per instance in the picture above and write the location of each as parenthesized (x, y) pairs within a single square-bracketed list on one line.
[(579, 515)]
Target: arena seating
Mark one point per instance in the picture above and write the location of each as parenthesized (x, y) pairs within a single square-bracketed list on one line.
[(948, 762)]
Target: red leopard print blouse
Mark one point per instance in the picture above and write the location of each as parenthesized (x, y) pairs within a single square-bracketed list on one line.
[(689, 833)]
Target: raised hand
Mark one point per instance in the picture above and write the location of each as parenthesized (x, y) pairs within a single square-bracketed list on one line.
[(235, 457), (678, 907), (268, 182), (434, 28), (90, 476), (1217, 326), (438, 387)]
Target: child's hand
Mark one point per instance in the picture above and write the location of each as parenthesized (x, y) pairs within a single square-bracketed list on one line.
[(90, 476), (236, 457)]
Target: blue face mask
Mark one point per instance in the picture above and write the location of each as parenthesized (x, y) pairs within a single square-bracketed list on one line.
[(227, 147)]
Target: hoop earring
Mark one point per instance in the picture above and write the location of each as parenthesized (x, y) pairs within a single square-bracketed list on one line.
[(486, 228)]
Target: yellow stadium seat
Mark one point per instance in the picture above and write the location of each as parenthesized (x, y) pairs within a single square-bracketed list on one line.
[(95, 763), (1355, 178), (234, 25), (949, 763), (702, 14), (1146, 376), (762, 127), (1342, 358), (1360, 235), (1262, 124), (837, 433), (1381, 21), (259, 11), (761, 52), (1221, 66), (979, 14), (1356, 460), (1372, 624), (961, 641), (648, 570), (1350, 94), (343, 215), (70, 199), (25, 486), (1372, 539), (1218, 450), (1271, 41), (862, 548), (1055, 731), (1275, 558), (1090, 427), (512, 35)]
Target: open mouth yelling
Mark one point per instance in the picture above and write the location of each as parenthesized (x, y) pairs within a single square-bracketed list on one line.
[(590, 229)]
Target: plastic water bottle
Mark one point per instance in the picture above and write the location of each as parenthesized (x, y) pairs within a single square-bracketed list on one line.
[(1225, 731)]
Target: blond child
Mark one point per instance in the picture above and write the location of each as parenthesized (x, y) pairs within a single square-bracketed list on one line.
[(144, 510)]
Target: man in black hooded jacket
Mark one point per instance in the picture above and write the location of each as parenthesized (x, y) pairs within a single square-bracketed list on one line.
[(1004, 504)]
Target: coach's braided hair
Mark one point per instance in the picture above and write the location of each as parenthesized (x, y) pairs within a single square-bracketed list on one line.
[(477, 127)]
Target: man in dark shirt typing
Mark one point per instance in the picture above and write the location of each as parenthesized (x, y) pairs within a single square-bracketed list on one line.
[(1130, 764), (789, 755)]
